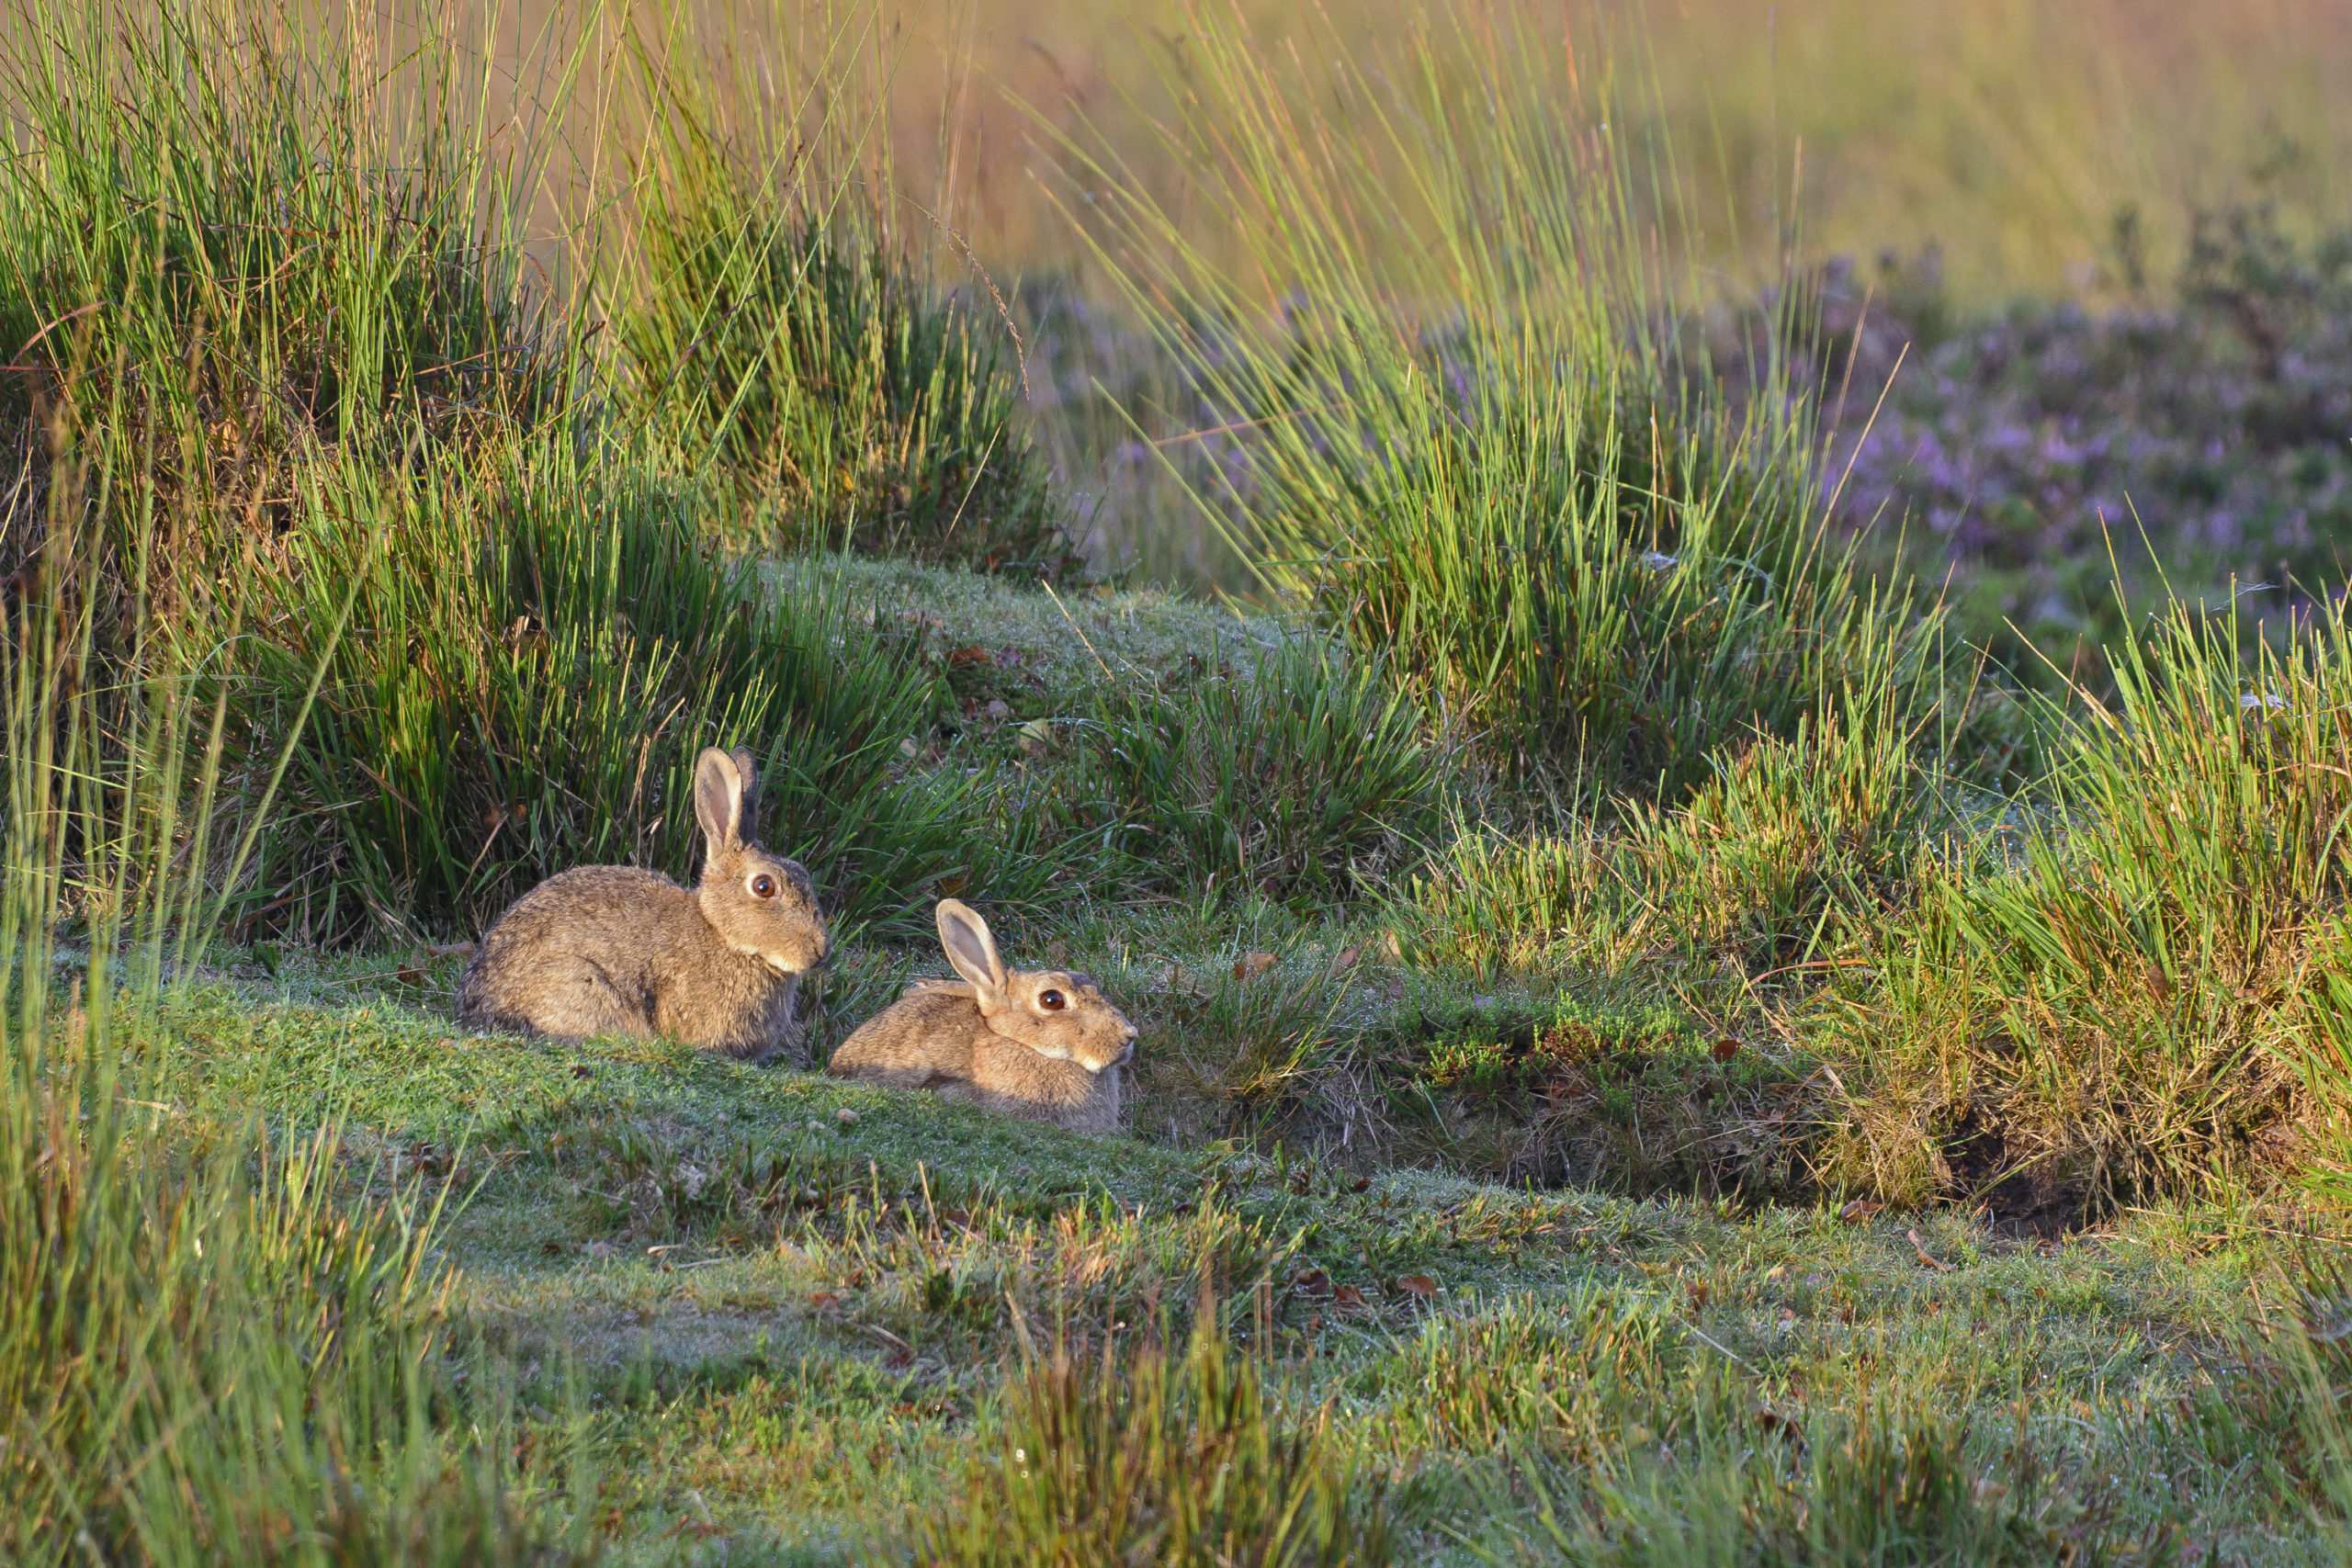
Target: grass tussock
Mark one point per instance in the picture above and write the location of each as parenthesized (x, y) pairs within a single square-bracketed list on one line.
[(1301, 774), (1465, 445), (1879, 1485), (1791, 852), (210, 1358), (1580, 1378), (1150, 1457), (783, 334), (2140, 1004), (242, 234), (537, 647), (216, 1344)]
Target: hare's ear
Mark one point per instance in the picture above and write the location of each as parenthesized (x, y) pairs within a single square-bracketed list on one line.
[(747, 824), (720, 790), (971, 950)]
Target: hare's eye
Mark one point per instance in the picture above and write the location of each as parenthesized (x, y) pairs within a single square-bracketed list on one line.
[(764, 885), (1051, 1001)]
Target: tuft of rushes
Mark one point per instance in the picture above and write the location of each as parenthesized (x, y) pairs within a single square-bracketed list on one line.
[(1790, 853), (2142, 1004), (1466, 435), (1300, 775), (1883, 1484), (395, 539), (216, 1346), (232, 228), (1148, 1456), (784, 340), (539, 646)]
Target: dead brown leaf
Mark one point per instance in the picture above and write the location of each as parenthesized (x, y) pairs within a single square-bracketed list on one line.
[(1858, 1210), (1726, 1048), (1420, 1285), (1252, 964), (1930, 1259)]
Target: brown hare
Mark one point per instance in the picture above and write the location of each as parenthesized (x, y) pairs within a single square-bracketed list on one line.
[(615, 950), (1043, 1044)]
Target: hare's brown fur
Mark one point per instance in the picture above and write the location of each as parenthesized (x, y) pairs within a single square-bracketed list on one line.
[(1041, 1045), (615, 950)]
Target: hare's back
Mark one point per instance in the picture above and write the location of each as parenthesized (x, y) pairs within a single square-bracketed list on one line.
[(593, 902), (919, 1043), (583, 953)]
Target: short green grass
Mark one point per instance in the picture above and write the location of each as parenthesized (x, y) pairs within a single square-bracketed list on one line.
[(787, 1370)]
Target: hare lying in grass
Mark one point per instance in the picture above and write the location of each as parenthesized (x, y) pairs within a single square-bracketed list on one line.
[(615, 950), (1039, 1043)]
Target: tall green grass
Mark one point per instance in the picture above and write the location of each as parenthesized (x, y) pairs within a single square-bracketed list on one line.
[(215, 1346), (1148, 1456), (1785, 861), (1299, 775), (1462, 429), (382, 459), (275, 230), (1877, 1485), (539, 647), (784, 331), (2142, 1004)]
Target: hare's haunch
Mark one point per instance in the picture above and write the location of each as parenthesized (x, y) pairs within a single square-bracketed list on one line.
[(1040, 1043), (614, 950)]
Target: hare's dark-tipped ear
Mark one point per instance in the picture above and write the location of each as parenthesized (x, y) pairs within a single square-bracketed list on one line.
[(971, 949), (748, 821), (719, 791)]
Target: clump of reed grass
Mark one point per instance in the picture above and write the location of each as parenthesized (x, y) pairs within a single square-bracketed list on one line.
[(487, 638), (210, 1357), (1144, 1456), (1790, 853), (225, 217), (538, 645), (781, 335), (1299, 774), (1464, 442), (1578, 1380), (214, 1347), (1879, 1485), (2139, 1006)]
